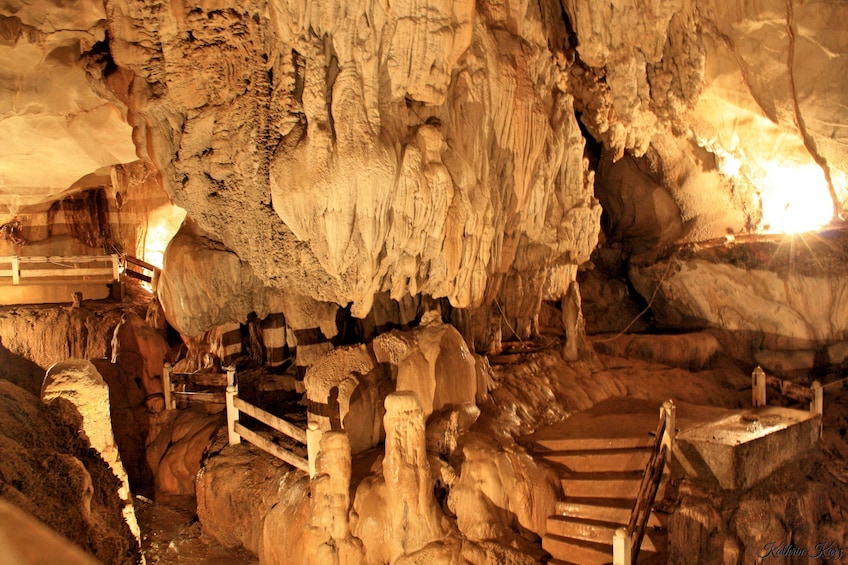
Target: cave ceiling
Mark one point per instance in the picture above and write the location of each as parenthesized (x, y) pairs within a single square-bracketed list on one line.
[(451, 148)]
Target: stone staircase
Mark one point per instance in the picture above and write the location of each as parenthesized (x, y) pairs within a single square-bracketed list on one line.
[(600, 479)]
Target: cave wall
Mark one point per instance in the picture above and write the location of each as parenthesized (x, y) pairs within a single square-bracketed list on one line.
[(430, 148), (424, 148)]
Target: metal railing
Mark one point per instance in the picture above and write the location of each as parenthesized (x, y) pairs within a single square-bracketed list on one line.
[(59, 268), (627, 541)]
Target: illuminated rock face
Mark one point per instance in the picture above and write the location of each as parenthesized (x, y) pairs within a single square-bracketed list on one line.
[(433, 147), (751, 83), (430, 148), (78, 382), (56, 126)]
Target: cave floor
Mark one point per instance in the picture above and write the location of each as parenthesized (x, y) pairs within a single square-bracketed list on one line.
[(171, 533)]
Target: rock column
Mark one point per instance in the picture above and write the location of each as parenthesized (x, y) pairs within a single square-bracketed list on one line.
[(329, 533), (415, 518)]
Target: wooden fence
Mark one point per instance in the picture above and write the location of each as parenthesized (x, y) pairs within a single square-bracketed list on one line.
[(138, 269), (226, 392), (627, 541), (59, 269), (183, 389), (814, 394)]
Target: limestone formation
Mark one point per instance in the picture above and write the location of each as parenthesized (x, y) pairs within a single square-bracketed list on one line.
[(236, 492), (352, 156), (177, 442), (78, 382), (409, 184), (61, 132), (78, 494), (328, 534), (790, 310), (432, 361), (33, 339), (396, 513), (346, 392)]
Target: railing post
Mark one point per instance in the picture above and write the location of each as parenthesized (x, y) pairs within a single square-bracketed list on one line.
[(817, 405), (313, 446), (621, 547), (758, 387), (16, 270), (232, 411), (167, 389), (670, 410), (116, 270)]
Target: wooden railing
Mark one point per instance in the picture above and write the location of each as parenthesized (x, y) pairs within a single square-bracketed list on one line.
[(814, 394), (138, 269), (198, 386), (236, 431), (58, 268), (627, 541)]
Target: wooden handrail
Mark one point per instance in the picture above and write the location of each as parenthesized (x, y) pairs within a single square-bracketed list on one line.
[(130, 261), (801, 393), (65, 267), (634, 532), (236, 431), (269, 419)]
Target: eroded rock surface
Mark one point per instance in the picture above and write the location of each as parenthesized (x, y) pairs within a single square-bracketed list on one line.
[(768, 308), (78, 496), (77, 383), (60, 131), (344, 133)]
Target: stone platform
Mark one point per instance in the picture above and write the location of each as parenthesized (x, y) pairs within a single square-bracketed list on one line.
[(737, 451)]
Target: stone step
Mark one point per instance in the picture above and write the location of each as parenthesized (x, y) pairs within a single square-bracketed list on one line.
[(601, 460), (584, 443), (569, 550), (613, 484), (600, 532), (604, 509)]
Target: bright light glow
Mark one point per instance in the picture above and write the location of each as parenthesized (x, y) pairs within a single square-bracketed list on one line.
[(162, 225), (795, 199)]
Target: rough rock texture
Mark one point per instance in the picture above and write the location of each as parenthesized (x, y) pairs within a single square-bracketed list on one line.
[(693, 351), (343, 133), (804, 513), (431, 147), (328, 534), (396, 513), (353, 389), (78, 496), (178, 441), (501, 493), (432, 361), (77, 382), (789, 310), (32, 339), (60, 131), (725, 108), (237, 489)]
